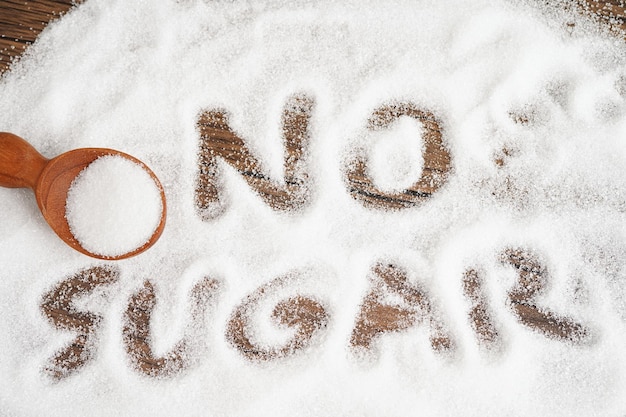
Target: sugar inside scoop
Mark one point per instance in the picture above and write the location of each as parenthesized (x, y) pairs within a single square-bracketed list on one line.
[(113, 206)]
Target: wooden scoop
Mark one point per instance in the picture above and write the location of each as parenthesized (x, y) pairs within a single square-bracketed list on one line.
[(22, 166)]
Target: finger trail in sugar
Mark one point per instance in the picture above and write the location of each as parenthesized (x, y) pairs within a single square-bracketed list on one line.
[(113, 206)]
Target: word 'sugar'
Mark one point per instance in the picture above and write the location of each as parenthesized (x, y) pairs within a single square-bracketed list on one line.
[(306, 316)]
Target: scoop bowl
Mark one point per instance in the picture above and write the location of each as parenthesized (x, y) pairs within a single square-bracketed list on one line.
[(21, 166)]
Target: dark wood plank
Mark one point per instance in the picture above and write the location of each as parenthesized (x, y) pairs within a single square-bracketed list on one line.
[(22, 21)]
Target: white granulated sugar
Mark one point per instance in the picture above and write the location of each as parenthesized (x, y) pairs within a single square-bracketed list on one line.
[(396, 160), (532, 108), (113, 206)]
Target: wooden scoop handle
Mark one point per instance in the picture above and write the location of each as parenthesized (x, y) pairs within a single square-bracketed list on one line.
[(20, 163)]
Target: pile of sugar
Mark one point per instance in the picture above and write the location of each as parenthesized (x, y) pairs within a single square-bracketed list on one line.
[(538, 88), (113, 206)]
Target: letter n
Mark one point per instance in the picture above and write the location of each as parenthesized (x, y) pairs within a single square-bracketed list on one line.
[(218, 140)]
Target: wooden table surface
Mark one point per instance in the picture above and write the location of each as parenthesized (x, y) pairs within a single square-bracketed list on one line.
[(22, 21), (20, 24)]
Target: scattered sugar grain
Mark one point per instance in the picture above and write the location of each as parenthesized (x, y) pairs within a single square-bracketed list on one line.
[(113, 206)]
